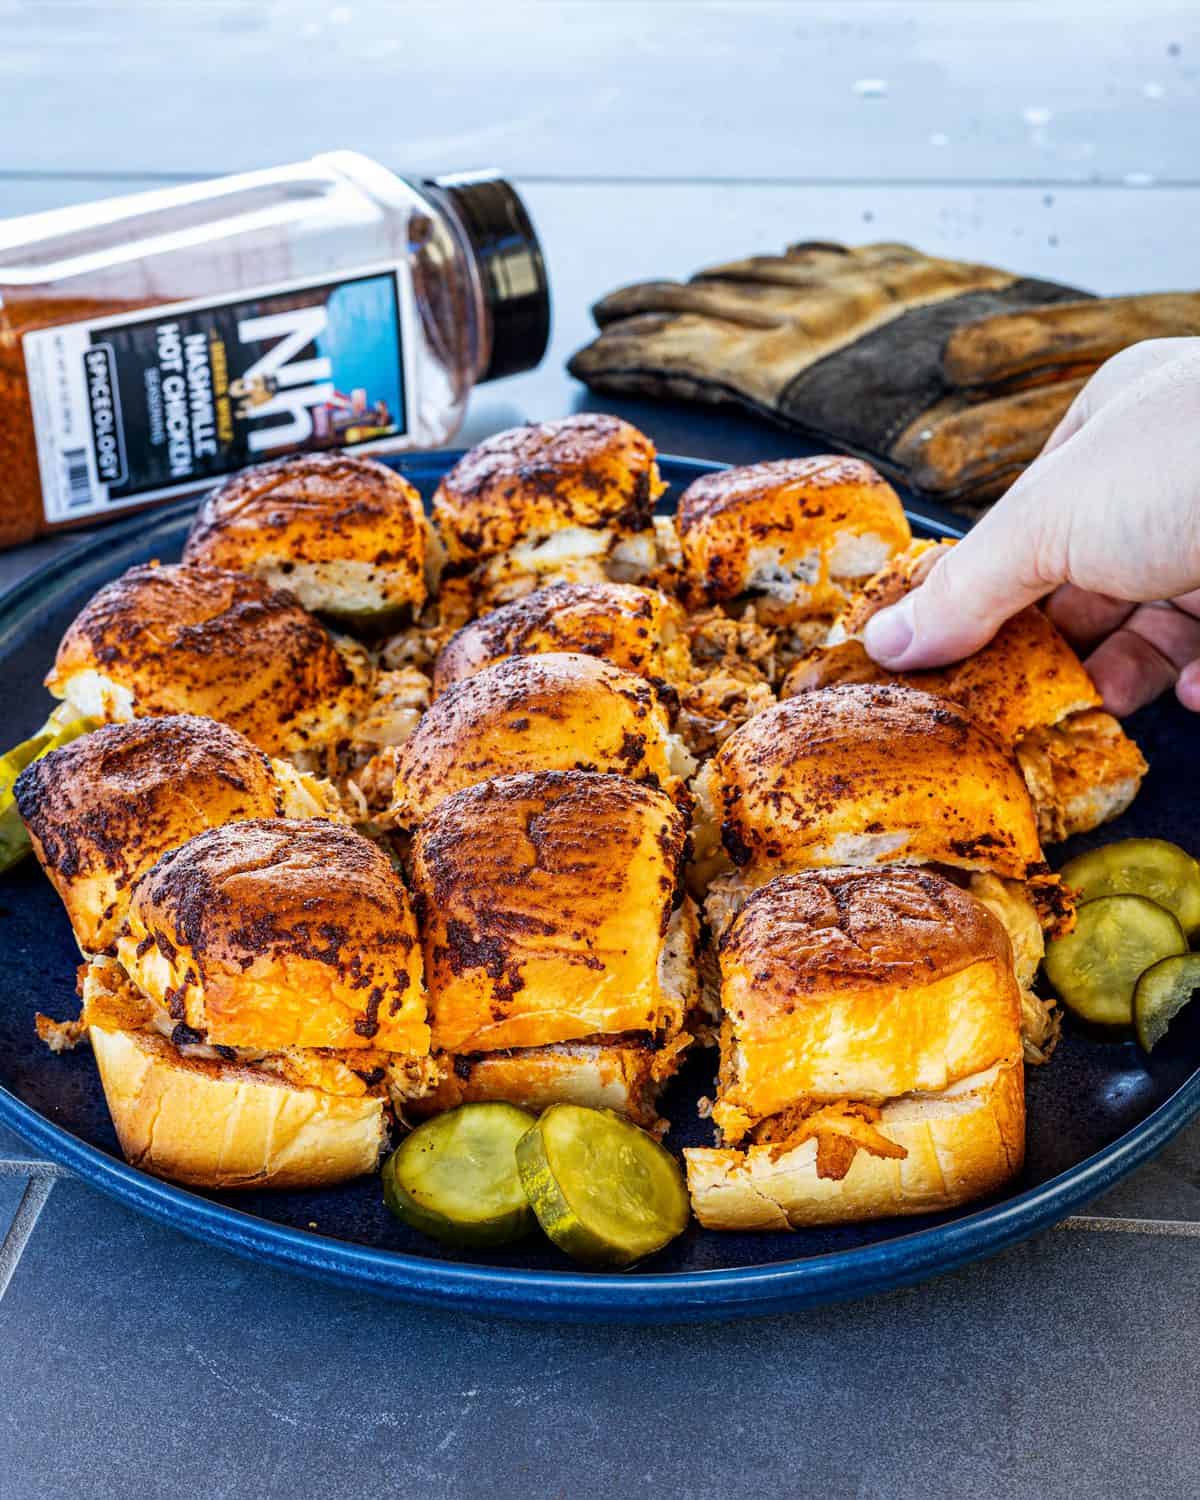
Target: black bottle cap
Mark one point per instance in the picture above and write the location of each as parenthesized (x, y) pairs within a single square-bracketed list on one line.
[(511, 267)]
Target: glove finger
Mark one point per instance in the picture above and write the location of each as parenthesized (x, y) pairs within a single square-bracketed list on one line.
[(958, 445), (1009, 345), (658, 352), (734, 304)]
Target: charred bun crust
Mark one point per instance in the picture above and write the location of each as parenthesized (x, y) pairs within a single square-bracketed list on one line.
[(101, 810), (800, 509), (587, 470), (867, 984), (557, 711), (280, 933), (544, 901), (1026, 677), (807, 934), (637, 629), (861, 775), (317, 508), (191, 639)]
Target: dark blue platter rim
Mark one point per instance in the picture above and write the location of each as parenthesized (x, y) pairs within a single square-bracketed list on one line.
[(639, 1297)]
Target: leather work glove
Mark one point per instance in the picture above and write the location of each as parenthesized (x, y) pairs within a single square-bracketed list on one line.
[(948, 376)]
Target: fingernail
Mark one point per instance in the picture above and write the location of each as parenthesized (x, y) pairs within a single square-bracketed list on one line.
[(889, 634)]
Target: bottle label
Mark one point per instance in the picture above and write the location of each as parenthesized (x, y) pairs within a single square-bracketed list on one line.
[(135, 408)]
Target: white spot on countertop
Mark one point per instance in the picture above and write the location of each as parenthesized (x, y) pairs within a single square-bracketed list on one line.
[(871, 88), (1036, 115), (1153, 90), (939, 138), (341, 15), (1138, 179)]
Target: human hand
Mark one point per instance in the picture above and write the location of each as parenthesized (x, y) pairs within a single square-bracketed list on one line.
[(1106, 522)]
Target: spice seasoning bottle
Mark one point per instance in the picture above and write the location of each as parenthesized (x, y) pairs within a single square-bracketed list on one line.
[(152, 343)]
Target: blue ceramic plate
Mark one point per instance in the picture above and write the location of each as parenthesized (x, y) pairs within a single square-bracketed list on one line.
[(1094, 1114)]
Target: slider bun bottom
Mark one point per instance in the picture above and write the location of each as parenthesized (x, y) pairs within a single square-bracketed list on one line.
[(961, 1145), (213, 1125), (611, 1076)]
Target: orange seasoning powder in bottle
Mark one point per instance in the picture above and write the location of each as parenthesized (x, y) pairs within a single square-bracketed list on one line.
[(153, 343)]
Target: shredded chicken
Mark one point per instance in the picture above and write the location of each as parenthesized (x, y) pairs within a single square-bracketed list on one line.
[(840, 1129), (1080, 773)]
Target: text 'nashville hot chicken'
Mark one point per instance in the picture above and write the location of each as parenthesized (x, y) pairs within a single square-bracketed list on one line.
[(559, 949), (265, 1011), (101, 810), (870, 1054)]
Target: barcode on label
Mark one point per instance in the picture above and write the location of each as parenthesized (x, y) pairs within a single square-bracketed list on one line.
[(77, 478)]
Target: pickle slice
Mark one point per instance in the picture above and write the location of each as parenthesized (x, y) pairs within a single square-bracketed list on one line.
[(455, 1177), (1153, 868), (1161, 993), (63, 725), (1095, 968), (603, 1190)]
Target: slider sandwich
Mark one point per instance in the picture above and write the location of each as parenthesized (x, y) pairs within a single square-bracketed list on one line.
[(555, 712), (265, 1013), (559, 949), (784, 545), (571, 500), (101, 810), (1026, 686), (641, 630), (347, 536), (870, 1054), (184, 639), (869, 776)]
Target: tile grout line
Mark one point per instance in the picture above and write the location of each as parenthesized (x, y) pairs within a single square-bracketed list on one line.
[(30, 1167), (33, 1200), (1105, 1224)]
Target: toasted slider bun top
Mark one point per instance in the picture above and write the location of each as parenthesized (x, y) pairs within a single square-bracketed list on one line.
[(545, 900), (102, 809), (280, 934), (864, 985), (182, 639), (335, 529), (557, 712), (1027, 677), (589, 470), (865, 775), (638, 629), (798, 532)]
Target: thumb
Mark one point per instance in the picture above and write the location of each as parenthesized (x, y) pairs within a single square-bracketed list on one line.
[(970, 592)]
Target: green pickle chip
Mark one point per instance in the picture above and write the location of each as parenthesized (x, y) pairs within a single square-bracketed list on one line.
[(1096, 967), (603, 1190), (1161, 993), (1160, 871), (455, 1177)]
